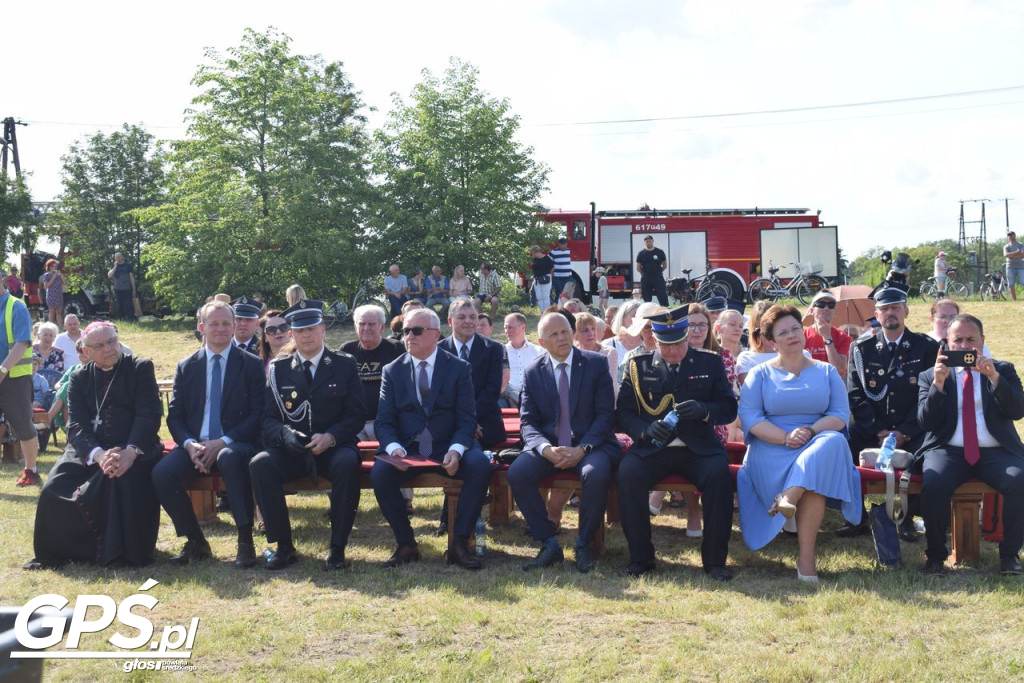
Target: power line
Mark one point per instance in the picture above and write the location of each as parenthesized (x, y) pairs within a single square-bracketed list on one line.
[(821, 107)]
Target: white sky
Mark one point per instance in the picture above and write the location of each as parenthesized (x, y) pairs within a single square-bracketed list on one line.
[(886, 174)]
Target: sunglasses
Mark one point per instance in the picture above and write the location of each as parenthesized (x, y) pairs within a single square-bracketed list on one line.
[(824, 304), (277, 329), (416, 331)]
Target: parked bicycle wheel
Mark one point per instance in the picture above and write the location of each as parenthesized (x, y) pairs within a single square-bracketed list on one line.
[(710, 288), (927, 291), (332, 313), (809, 287), (760, 290), (958, 291)]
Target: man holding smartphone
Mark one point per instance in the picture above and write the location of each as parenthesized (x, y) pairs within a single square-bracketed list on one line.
[(968, 404)]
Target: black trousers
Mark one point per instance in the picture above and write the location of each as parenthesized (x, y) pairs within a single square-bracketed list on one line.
[(709, 473), (274, 467), (650, 287), (175, 470), (595, 472), (945, 469)]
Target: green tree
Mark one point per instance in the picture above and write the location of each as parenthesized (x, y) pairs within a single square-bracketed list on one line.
[(106, 180), (458, 188), (271, 184), (17, 223)]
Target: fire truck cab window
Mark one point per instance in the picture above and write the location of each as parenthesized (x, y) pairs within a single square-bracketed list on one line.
[(579, 230)]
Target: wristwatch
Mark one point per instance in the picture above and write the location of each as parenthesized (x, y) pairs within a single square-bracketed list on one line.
[(587, 447), (828, 342), (4, 369)]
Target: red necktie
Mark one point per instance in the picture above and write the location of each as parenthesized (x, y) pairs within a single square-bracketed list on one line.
[(971, 451)]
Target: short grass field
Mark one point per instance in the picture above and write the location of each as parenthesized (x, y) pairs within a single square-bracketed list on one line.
[(429, 621)]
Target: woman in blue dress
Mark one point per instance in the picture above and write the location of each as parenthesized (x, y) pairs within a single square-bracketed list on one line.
[(793, 409)]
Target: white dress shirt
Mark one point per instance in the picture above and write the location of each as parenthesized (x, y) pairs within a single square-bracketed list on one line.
[(985, 438)]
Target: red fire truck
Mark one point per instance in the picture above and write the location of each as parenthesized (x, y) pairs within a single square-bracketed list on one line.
[(735, 242)]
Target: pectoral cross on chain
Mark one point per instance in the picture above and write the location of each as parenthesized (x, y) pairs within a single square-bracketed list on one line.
[(96, 422)]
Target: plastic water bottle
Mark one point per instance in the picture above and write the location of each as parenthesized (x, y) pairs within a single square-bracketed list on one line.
[(671, 420), (884, 461), (481, 537)]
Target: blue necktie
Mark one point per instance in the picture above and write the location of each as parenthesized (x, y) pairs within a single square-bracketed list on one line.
[(426, 439), (215, 381), (464, 353)]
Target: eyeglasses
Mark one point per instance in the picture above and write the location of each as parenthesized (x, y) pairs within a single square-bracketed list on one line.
[(109, 344), (277, 329), (416, 331), (824, 304), (700, 327)]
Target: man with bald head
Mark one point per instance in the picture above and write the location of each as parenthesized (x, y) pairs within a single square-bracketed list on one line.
[(67, 341), (568, 419)]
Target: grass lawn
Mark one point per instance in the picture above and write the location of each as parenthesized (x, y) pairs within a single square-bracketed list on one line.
[(427, 620)]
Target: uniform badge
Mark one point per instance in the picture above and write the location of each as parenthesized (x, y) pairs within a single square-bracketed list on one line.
[(905, 345), (302, 304), (327, 360), (881, 372), (872, 384), (295, 394), (288, 405)]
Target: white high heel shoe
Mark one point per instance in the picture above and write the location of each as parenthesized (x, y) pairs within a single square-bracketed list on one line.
[(813, 578)]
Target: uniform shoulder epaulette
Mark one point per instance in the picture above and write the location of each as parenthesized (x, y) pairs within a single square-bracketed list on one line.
[(703, 350), (280, 359), (866, 340)]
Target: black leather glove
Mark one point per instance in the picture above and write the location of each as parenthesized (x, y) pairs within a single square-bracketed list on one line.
[(658, 431), (294, 440), (691, 410)]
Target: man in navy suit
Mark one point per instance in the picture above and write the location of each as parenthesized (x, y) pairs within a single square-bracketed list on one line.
[(968, 415), (426, 407), (690, 383), (568, 419), (485, 356), (214, 419)]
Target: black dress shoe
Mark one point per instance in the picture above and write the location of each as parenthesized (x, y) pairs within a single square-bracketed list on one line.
[(549, 555), (458, 553), (245, 558), (908, 533), (637, 569), (222, 503), (584, 559), (404, 554), (442, 529), (33, 565), (1010, 566), (718, 573), (934, 568), (336, 560), (282, 558), (853, 530), (195, 549)]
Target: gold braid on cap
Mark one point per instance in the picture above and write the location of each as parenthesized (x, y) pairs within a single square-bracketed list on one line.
[(666, 401)]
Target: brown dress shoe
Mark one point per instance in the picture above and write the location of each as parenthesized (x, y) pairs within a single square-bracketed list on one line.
[(404, 554), (459, 554)]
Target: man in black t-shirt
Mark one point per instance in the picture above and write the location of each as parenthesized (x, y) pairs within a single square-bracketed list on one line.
[(651, 262), (372, 352)]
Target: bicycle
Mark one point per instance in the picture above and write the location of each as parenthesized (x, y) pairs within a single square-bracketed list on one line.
[(686, 289), (804, 286), (338, 311), (994, 287), (954, 290)]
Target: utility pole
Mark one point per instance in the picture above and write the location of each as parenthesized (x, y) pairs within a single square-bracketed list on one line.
[(9, 144), (980, 261)]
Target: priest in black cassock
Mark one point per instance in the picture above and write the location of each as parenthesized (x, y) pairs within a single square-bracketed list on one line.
[(98, 504)]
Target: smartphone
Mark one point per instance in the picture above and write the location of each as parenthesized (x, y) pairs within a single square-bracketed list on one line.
[(961, 359)]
